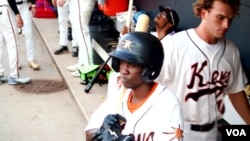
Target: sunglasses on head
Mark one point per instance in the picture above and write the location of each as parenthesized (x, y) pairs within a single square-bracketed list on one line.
[(164, 14)]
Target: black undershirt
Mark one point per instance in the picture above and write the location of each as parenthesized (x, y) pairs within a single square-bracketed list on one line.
[(13, 6)]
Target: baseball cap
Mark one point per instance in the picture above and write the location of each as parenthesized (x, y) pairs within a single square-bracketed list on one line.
[(171, 15)]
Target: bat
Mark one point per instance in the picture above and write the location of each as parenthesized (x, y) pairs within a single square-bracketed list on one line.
[(92, 81), (142, 23), (130, 7)]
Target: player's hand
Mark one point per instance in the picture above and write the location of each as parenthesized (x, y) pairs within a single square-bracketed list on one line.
[(61, 2), (125, 138), (19, 21), (124, 30), (115, 122), (105, 135), (111, 128), (33, 9), (54, 3), (119, 81), (109, 135)]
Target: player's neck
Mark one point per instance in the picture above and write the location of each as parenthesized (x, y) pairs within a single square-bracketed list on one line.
[(205, 36), (161, 33), (141, 92)]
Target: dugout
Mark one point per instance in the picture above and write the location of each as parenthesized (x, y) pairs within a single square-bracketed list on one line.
[(237, 33)]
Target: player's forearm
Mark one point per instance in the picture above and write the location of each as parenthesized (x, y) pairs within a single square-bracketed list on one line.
[(241, 105), (13, 6)]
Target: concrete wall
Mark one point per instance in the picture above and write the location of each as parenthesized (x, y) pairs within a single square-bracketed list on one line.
[(238, 33)]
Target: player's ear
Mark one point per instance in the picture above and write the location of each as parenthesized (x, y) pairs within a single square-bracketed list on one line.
[(204, 13)]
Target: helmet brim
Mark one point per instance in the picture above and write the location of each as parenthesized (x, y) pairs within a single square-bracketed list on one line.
[(130, 57)]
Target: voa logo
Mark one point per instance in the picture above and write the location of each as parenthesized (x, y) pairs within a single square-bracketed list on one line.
[(236, 132)]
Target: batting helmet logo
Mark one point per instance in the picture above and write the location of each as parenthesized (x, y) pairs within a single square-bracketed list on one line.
[(127, 44)]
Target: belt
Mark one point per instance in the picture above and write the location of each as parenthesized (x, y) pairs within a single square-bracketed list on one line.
[(20, 2), (202, 128), (4, 5)]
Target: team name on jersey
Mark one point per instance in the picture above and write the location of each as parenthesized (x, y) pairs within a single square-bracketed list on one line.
[(144, 136), (177, 133), (219, 80)]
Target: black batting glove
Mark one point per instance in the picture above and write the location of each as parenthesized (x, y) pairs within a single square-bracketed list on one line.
[(111, 128), (108, 135), (125, 138), (115, 122)]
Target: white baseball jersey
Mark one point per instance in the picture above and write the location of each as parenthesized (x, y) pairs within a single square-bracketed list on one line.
[(159, 118), (200, 75), (163, 39)]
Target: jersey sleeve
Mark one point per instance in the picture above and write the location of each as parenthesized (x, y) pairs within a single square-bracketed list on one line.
[(175, 131), (171, 127), (167, 70), (13, 6), (238, 79), (109, 106), (97, 117)]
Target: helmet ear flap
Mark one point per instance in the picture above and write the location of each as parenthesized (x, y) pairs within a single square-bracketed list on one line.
[(115, 64), (149, 74)]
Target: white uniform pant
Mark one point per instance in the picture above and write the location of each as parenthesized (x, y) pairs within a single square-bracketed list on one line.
[(27, 30), (8, 38), (64, 16), (82, 14)]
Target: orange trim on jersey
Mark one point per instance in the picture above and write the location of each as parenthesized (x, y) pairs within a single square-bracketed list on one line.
[(133, 107)]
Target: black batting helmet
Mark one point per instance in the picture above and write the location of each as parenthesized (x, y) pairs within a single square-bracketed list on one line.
[(142, 49)]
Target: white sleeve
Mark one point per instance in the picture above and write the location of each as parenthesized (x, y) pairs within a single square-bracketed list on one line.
[(98, 116), (167, 70), (172, 119), (113, 87), (237, 82), (107, 107)]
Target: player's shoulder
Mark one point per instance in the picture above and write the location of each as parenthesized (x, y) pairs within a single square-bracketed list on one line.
[(230, 47), (230, 43), (167, 95), (178, 38), (182, 33), (177, 43)]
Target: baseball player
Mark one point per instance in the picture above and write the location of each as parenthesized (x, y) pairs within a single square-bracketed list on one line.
[(143, 110), (9, 18), (82, 12), (64, 8), (201, 66), (23, 7), (166, 23)]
